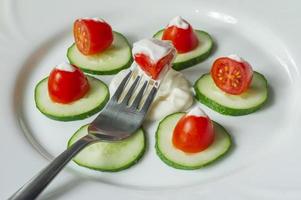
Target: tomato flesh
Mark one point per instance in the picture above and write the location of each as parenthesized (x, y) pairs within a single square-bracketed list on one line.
[(151, 67), (231, 76), (193, 134), (184, 40), (66, 87), (92, 36)]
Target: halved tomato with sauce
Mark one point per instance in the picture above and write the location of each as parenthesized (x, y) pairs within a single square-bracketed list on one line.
[(67, 86), (193, 134), (184, 40), (231, 76), (92, 35)]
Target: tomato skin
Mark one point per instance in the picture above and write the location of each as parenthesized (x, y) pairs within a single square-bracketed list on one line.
[(66, 87), (231, 76), (193, 134), (92, 36), (184, 40), (150, 67)]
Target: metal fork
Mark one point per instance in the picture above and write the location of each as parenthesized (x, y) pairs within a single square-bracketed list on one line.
[(117, 121)]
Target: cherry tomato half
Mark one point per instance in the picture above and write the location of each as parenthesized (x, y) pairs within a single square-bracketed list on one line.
[(92, 36), (231, 76), (184, 40), (193, 134), (150, 67), (66, 86)]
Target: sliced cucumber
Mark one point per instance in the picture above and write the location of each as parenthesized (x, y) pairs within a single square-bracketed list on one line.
[(109, 156), (88, 105), (250, 101), (181, 160), (200, 53), (117, 57)]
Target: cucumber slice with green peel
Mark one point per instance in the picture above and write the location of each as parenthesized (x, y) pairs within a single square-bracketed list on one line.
[(250, 101), (197, 55), (114, 59), (189, 161), (109, 156), (91, 103)]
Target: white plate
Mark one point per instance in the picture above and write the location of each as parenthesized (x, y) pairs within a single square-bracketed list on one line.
[(265, 161)]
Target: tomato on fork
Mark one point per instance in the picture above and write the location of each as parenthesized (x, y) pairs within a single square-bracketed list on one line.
[(150, 67)]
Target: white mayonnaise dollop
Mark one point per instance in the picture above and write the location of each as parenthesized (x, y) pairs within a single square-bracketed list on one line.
[(97, 19), (236, 58), (196, 111), (179, 22), (239, 59), (65, 67), (174, 94)]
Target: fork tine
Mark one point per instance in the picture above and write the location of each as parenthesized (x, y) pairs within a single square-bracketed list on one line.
[(122, 85), (131, 91), (149, 100), (139, 96)]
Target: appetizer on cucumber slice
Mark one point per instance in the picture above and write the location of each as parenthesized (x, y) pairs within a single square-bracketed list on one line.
[(98, 49), (232, 88), (110, 156), (67, 94), (193, 46), (200, 143)]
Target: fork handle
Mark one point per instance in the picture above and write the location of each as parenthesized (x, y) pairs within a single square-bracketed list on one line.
[(37, 184)]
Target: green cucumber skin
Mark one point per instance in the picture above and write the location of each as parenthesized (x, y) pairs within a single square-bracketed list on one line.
[(224, 109), (109, 72), (183, 167), (74, 117), (130, 164), (189, 63)]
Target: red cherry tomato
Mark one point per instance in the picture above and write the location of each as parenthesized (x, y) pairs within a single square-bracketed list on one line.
[(150, 67), (231, 76), (92, 36), (193, 134), (66, 87), (184, 40)]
